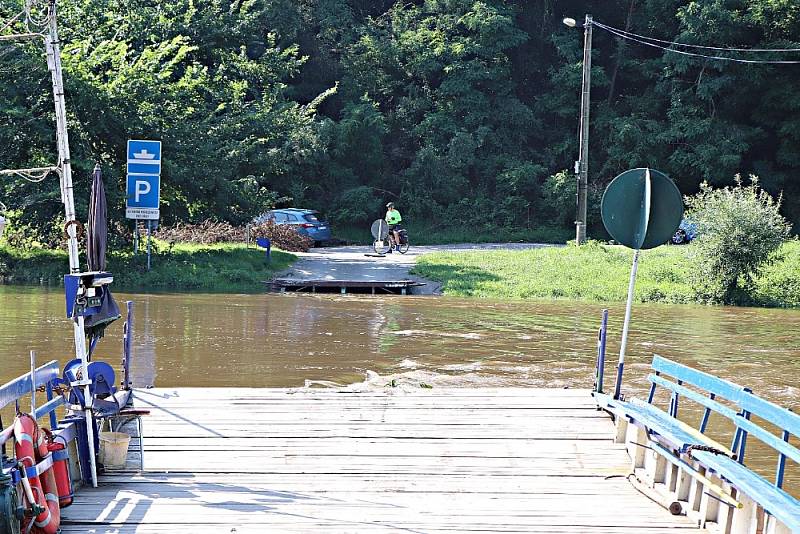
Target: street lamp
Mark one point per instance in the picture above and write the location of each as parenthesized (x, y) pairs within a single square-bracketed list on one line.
[(582, 165)]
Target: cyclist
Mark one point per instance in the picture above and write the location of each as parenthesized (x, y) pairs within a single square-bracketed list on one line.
[(393, 219)]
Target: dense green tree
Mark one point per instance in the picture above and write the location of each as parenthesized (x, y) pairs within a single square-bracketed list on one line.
[(464, 111)]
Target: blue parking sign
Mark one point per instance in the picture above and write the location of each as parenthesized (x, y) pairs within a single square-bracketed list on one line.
[(144, 179), (143, 191)]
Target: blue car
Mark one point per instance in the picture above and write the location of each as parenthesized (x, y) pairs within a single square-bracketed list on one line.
[(306, 222), (686, 233)]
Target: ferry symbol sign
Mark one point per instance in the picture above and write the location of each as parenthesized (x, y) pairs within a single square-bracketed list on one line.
[(144, 179)]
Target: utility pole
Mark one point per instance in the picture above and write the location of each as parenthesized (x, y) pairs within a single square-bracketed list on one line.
[(46, 28), (582, 165), (52, 45)]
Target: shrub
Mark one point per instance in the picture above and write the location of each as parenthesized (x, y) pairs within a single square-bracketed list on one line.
[(282, 236), (739, 228)]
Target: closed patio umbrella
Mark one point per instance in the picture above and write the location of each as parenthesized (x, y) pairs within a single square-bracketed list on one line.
[(96, 242)]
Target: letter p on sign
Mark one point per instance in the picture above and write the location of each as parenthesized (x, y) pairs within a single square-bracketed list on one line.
[(141, 188)]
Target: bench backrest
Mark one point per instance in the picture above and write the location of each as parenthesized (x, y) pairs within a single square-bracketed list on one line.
[(747, 405), (24, 385)]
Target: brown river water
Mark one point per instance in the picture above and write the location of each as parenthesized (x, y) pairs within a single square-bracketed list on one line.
[(283, 340)]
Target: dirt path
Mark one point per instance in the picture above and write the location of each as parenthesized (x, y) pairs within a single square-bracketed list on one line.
[(360, 263)]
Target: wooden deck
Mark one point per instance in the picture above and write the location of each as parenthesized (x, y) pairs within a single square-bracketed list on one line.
[(455, 460)]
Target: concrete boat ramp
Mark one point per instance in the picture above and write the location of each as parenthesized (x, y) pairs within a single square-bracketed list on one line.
[(360, 269), (392, 460)]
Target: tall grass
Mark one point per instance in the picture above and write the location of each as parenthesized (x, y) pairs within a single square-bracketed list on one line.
[(218, 267), (595, 272)]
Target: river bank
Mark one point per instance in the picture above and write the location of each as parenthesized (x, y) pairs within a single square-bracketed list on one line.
[(596, 273), (219, 267)]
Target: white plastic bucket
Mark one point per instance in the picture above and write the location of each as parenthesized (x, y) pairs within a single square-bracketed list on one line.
[(114, 449)]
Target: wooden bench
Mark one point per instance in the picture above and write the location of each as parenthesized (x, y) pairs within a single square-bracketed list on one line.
[(718, 472)]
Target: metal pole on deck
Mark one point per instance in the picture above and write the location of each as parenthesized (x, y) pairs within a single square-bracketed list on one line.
[(628, 306), (149, 237), (33, 384), (54, 65), (601, 352), (126, 347)]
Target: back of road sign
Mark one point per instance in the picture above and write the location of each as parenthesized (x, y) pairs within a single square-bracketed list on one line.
[(144, 179), (642, 208)]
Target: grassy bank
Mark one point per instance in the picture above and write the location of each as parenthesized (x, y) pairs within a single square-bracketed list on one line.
[(426, 235), (222, 267), (595, 272)]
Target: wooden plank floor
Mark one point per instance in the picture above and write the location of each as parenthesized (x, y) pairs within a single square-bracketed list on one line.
[(312, 460)]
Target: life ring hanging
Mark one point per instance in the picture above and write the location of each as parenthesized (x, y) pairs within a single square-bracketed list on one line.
[(29, 446)]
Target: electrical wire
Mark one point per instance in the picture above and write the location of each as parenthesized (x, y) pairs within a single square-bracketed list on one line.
[(37, 20), (718, 48), (619, 33)]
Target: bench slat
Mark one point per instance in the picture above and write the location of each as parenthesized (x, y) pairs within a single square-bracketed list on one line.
[(19, 387), (702, 380), (750, 427), (776, 501), (777, 415)]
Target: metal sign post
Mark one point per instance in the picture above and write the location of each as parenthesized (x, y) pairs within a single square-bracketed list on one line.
[(641, 209), (149, 237)]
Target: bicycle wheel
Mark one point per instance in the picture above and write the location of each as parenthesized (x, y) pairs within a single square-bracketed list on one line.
[(404, 247), (380, 246)]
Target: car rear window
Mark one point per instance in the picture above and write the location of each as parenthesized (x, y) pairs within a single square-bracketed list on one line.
[(312, 218)]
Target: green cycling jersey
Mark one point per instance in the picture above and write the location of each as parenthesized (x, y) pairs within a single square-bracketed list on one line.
[(393, 216)]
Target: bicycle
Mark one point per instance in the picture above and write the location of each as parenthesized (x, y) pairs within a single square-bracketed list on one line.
[(384, 240)]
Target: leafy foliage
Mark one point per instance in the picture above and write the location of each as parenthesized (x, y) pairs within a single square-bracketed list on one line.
[(464, 112), (739, 229)]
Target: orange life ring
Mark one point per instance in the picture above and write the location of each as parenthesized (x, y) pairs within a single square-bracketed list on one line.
[(29, 443)]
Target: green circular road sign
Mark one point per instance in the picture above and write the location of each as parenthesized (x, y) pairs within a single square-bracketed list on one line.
[(642, 208)]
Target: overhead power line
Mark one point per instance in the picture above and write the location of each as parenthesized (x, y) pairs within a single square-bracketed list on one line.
[(667, 47)]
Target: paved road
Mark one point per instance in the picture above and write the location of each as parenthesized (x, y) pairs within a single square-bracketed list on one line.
[(362, 264)]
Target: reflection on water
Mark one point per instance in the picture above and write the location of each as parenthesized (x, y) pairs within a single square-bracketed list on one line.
[(284, 340), (287, 340)]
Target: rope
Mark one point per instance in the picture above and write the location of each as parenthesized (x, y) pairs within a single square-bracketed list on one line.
[(707, 448), (33, 175)]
